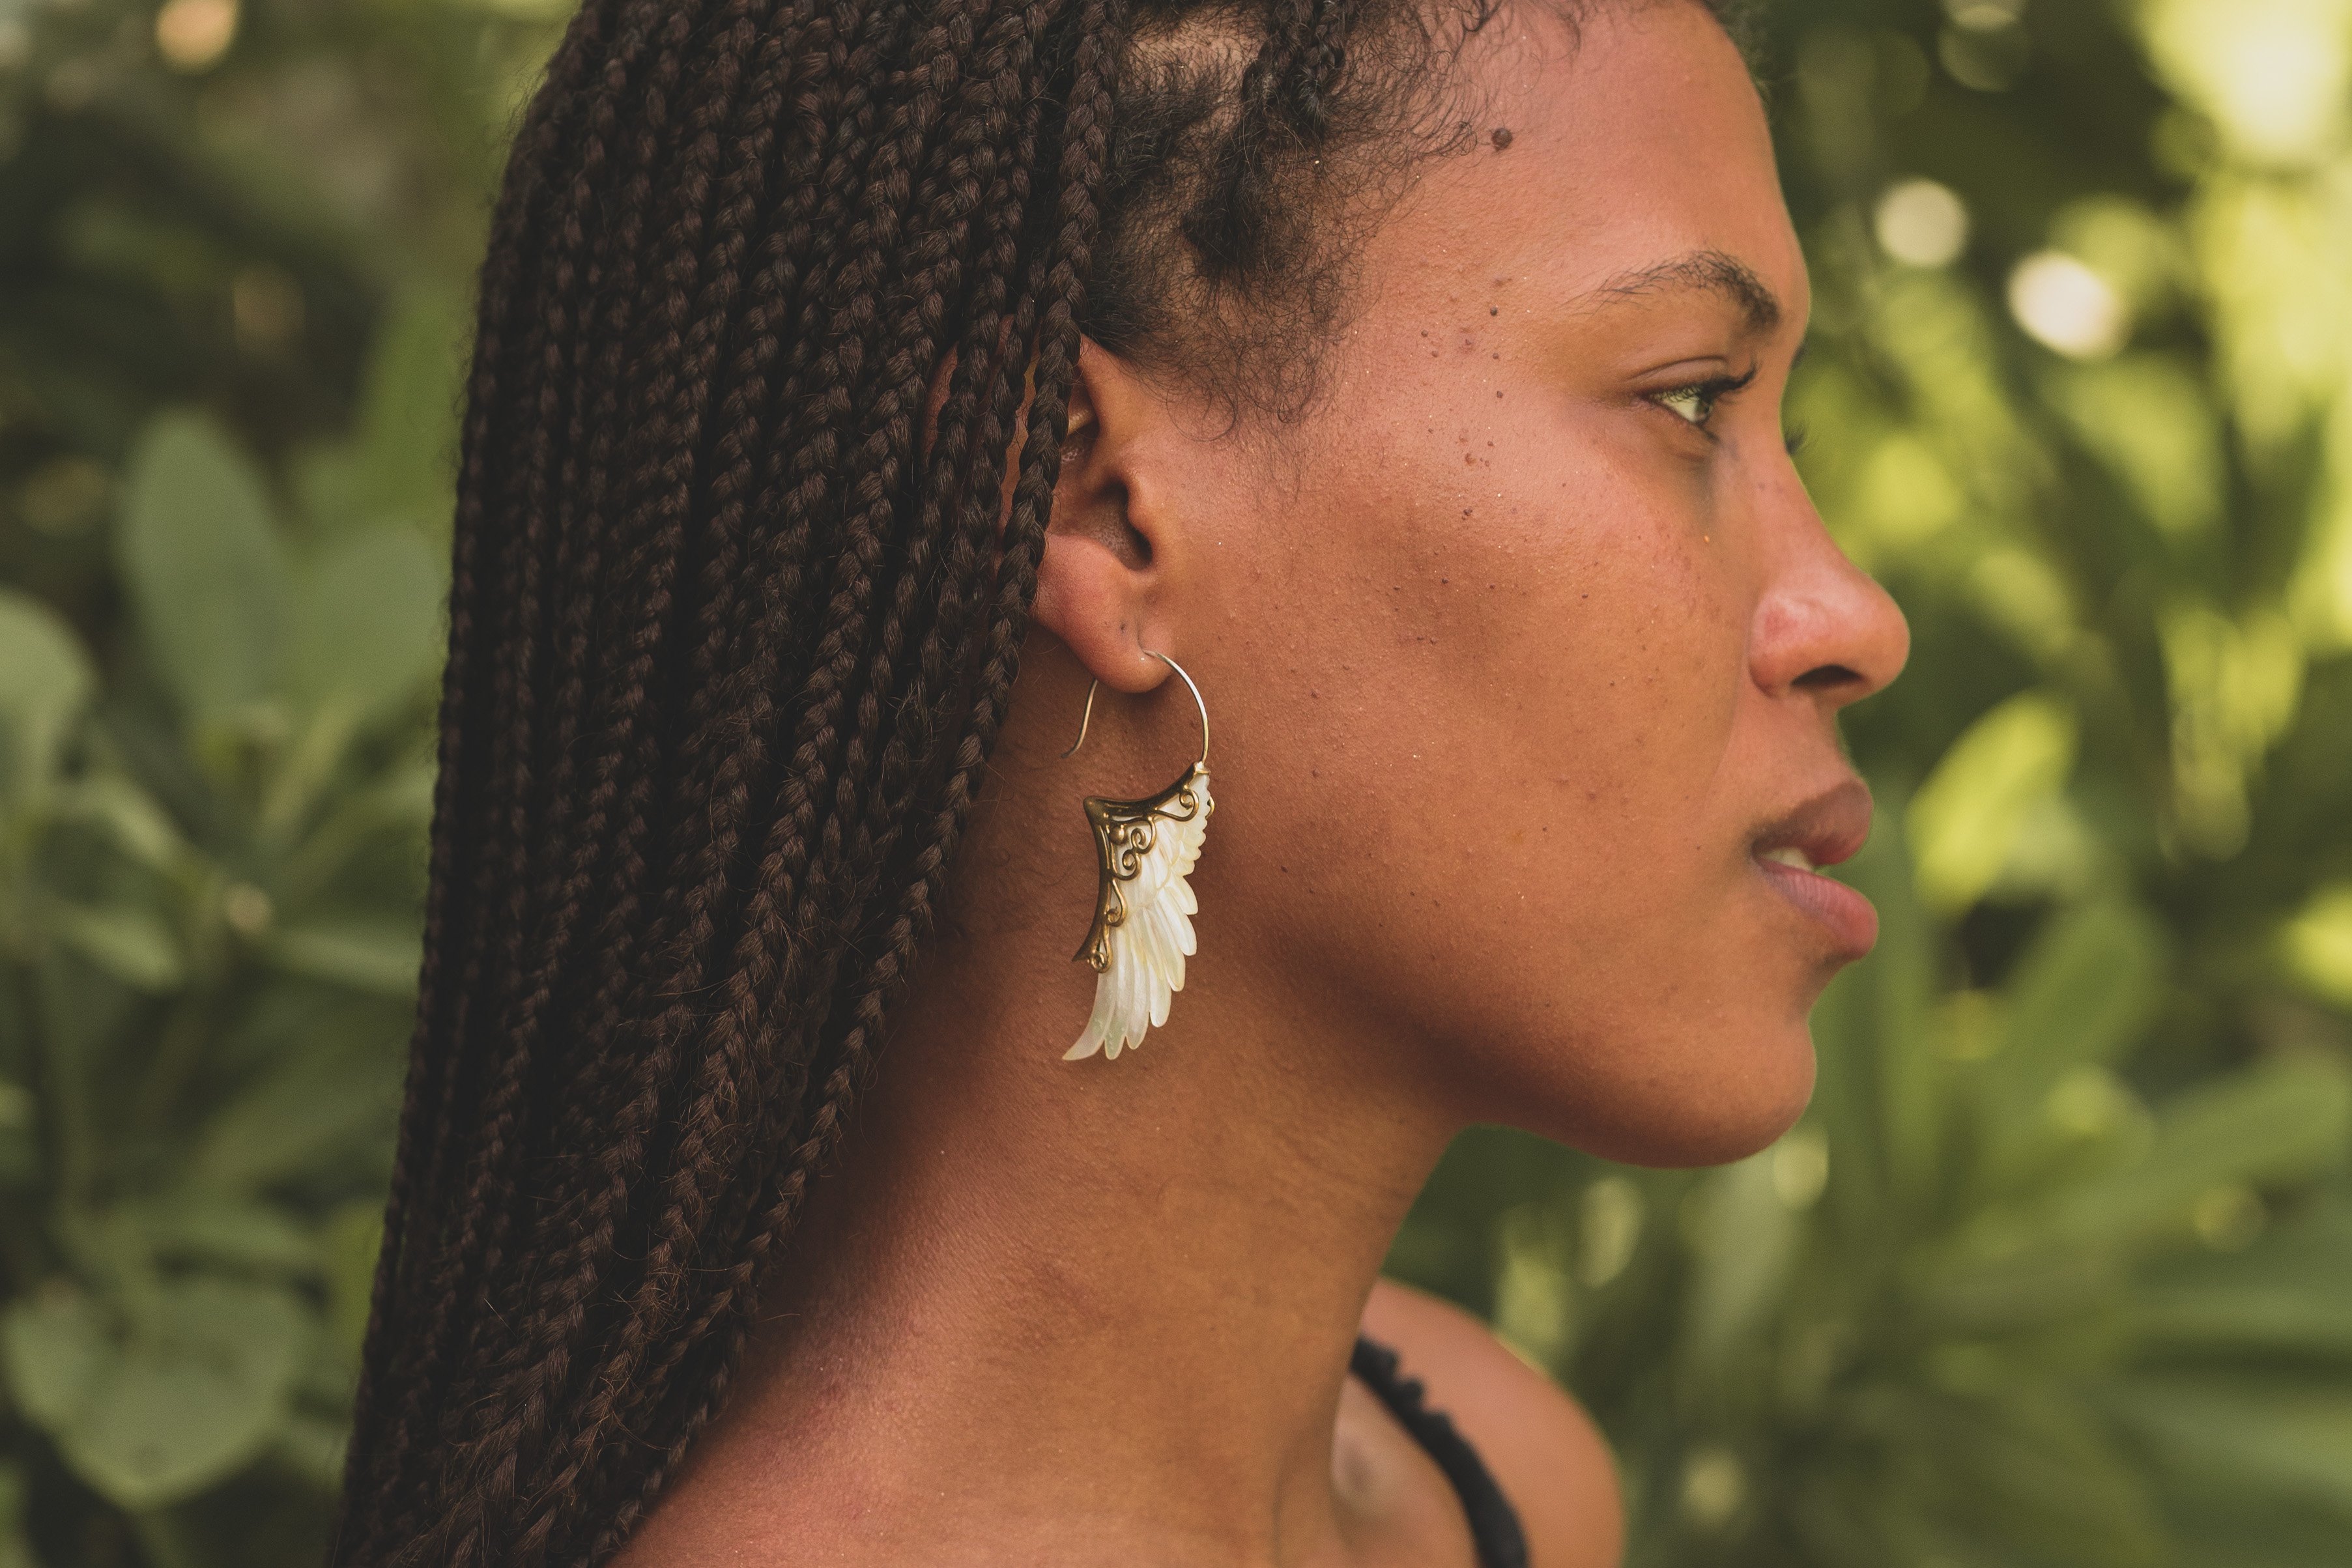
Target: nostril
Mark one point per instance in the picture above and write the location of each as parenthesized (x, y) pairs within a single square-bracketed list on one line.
[(1828, 678)]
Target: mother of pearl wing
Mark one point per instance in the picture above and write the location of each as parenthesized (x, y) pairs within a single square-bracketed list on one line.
[(1147, 947)]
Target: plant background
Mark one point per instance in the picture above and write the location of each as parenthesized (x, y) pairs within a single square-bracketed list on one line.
[(2058, 1268)]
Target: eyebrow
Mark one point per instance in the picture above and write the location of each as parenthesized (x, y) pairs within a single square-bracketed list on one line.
[(1701, 271)]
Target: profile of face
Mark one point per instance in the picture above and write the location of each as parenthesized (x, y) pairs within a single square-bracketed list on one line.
[(1523, 646)]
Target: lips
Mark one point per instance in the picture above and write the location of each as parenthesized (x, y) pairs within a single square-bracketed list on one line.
[(1824, 831)]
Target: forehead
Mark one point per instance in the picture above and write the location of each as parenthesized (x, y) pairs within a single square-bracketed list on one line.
[(1639, 164)]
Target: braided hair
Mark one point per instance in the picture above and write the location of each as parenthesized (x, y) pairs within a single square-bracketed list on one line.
[(732, 634)]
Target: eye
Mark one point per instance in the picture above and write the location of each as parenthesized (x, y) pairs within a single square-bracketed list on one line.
[(1695, 404)]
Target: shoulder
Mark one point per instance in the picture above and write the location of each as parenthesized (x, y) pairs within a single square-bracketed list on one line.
[(1542, 1448)]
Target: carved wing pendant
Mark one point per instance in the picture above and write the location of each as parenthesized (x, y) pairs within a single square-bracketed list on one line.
[(1143, 909)]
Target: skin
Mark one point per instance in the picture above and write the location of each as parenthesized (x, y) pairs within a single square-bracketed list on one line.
[(1515, 673)]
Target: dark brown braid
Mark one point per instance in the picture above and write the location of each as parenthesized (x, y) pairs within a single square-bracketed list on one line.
[(729, 642)]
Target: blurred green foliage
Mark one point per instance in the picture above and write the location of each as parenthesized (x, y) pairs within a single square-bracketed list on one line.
[(2058, 1268), (233, 242)]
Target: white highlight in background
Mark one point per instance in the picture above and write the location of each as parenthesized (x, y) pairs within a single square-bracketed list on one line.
[(2067, 307), (1922, 222)]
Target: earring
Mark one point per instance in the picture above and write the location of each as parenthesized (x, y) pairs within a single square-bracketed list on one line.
[(1142, 932)]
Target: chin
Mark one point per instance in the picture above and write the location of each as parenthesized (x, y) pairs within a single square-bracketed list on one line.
[(1709, 1107)]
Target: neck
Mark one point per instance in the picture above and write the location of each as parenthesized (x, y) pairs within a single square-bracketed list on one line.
[(1045, 1301)]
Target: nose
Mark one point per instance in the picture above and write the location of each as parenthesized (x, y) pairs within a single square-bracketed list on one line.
[(1822, 628)]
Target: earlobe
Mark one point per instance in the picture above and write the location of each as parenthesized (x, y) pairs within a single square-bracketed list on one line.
[(1094, 602), (1106, 550)]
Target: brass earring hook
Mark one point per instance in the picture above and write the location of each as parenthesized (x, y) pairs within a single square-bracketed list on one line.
[(1087, 717)]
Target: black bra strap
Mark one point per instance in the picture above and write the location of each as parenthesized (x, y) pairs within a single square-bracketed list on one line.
[(1493, 1522)]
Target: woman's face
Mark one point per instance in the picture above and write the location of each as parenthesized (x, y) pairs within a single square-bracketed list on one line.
[(1526, 648)]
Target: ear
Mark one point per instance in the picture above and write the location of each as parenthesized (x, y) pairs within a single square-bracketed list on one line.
[(1111, 539)]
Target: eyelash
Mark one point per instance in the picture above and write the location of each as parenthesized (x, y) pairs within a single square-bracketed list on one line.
[(1706, 394)]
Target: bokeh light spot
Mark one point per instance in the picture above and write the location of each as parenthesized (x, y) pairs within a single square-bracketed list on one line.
[(1715, 1484), (2319, 944), (2065, 306), (193, 35), (2274, 74), (1922, 222), (1984, 15), (1800, 1167)]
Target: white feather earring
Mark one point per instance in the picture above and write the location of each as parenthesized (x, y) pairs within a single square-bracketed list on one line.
[(1143, 905)]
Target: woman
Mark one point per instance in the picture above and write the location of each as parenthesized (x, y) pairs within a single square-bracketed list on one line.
[(856, 389)]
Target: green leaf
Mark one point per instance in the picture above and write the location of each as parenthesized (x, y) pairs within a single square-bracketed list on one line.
[(2251, 1436), (2082, 993), (303, 1117), (1967, 817), (1741, 1243), (20, 1149), (2229, 1316), (2285, 1121), (15, 1550), (200, 554), (2031, 1454), (129, 943), (2080, 999), (379, 957), (401, 460), (2290, 1291), (197, 1227), (45, 680), (152, 1406), (313, 1449), (1881, 1083), (408, 420), (353, 1239), (128, 816), (405, 796), (2061, 1249), (55, 1345), (2001, 1277), (81, 1010), (367, 620), (2148, 417)]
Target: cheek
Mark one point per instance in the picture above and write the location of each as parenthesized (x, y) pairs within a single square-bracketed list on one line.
[(1495, 799), (1590, 630), (1488, 631)]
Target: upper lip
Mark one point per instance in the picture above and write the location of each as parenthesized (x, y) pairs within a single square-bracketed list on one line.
[(1830, 826)]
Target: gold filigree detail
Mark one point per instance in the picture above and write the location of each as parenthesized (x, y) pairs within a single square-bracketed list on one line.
[(1125, 831)]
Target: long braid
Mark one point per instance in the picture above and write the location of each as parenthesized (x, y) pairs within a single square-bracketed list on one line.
[(729, 1308), (429, 1089), (503, 1459), (754, 978), (448, 1291), (730, 646), (575, 1268), (689, 1204), (561, 879), (705, 1128), (443, 1294)]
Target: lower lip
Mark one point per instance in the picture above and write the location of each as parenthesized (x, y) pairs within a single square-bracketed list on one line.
[(1849, 918)]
